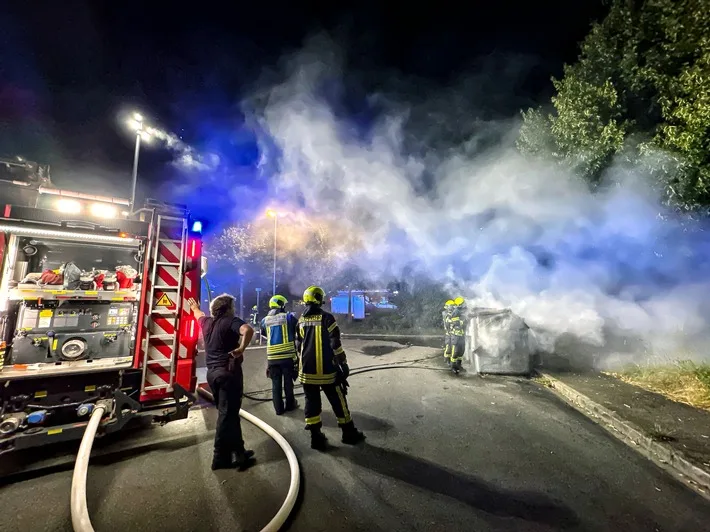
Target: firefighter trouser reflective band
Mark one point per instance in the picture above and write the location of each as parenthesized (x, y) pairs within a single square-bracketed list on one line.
[(447, 346), (458, 346), (313, 407)]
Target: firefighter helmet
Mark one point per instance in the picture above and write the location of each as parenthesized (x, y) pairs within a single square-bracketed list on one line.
[(459, 301), (449, 304), (314, 294), (277, 302)]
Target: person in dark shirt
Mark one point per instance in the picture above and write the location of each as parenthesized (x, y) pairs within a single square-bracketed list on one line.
[(226, 337)]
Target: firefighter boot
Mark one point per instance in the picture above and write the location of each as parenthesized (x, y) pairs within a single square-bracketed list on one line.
[(351, 436), (318, 440)]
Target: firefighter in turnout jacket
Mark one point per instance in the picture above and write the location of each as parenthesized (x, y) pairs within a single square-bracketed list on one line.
[(279, 329), (446, 316), (323, 367), (458, 334)]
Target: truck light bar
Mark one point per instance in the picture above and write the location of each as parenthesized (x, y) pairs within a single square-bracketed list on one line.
[(30, 231), (80, 195)]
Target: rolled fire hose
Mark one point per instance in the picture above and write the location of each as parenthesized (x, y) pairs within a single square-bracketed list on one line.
[(280, 518), (81, 521), (79, 512)]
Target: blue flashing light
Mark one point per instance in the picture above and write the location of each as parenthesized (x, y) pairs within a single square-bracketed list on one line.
[(197, 227)]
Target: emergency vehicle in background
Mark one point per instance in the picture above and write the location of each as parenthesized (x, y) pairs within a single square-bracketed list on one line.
[(93, 309)]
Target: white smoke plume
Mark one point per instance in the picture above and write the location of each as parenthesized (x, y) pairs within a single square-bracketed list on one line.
[(603, 269), (186, 157)]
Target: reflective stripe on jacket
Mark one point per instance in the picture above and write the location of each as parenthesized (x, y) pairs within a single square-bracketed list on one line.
[(279, 327), (319, 336)]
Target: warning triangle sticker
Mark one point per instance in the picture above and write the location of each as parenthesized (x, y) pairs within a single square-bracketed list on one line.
[(164, 301)]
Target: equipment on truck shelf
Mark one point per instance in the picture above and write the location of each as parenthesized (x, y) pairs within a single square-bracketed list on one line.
[(93, 311)]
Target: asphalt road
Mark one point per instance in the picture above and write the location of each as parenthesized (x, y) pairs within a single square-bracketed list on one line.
[(443, 453)]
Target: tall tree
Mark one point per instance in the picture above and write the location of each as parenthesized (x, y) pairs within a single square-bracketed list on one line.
[(641, 89)]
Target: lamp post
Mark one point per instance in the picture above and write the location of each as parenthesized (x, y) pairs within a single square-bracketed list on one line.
[(275, 216), (136, 123)]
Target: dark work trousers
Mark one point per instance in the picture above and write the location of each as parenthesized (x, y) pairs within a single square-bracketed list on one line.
[(282, 373), (457, 350), (227, 388), (313, 407)]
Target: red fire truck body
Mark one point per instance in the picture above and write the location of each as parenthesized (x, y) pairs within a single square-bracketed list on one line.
[(77, 328)]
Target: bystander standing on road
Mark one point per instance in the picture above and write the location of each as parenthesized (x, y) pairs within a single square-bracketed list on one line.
[(226, 337)]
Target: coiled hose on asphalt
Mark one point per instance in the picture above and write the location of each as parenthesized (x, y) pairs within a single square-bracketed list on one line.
[(81, 521), (80, 513)]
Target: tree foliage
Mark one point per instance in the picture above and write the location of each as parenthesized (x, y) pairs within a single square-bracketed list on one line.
[(312, 253), (641, 86)]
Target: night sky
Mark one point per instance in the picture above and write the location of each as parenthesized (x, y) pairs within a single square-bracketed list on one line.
[(68, 69)]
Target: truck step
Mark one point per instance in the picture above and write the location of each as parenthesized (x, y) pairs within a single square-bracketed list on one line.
[(166, 287), (162, 263), (159, 362), (162, 336), (156, 387)]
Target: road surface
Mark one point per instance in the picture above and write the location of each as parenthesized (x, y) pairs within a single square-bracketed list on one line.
[(443, 453)]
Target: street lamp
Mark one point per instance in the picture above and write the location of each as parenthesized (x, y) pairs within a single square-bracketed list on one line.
[(136, 123), (275, 215)]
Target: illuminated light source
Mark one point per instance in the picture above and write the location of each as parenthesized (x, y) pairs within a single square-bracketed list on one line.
[(197, 226), (103, 210), (271, 213), (138, 117), (189, 330), (31, 231), (192, 249), (69, 206)]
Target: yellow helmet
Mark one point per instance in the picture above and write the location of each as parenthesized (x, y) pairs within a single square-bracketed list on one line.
[(450, 303), (459, 301), (277, 302), (314, 294)]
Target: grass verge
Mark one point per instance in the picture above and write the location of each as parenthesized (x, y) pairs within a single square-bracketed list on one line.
[(682, 381)]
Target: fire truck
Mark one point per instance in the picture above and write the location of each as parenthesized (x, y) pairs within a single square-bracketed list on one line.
[(93, 311)]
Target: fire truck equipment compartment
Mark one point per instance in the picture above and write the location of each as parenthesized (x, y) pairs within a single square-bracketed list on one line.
[(72, 330)]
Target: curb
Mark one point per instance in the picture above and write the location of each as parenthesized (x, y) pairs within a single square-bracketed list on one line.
[(661, 454)]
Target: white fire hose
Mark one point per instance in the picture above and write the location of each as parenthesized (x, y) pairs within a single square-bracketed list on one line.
[(80, 513)]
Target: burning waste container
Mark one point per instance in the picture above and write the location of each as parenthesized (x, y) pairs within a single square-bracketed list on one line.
[(498, 341)]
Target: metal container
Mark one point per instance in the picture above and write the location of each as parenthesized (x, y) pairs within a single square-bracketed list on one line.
[(498, 342)]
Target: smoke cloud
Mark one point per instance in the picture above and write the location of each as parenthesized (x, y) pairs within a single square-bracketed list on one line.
[(611, 270)]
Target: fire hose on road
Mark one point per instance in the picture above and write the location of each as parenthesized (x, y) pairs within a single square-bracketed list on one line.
[(80, 513)]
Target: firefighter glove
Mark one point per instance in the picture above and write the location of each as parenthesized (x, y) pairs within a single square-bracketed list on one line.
[(268, 372), (345, 369)]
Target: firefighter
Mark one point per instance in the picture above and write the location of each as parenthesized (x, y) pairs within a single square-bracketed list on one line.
[(323, 367), (253, 317), (226, 337), (446, 315), (458, 334), (279, 329)]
